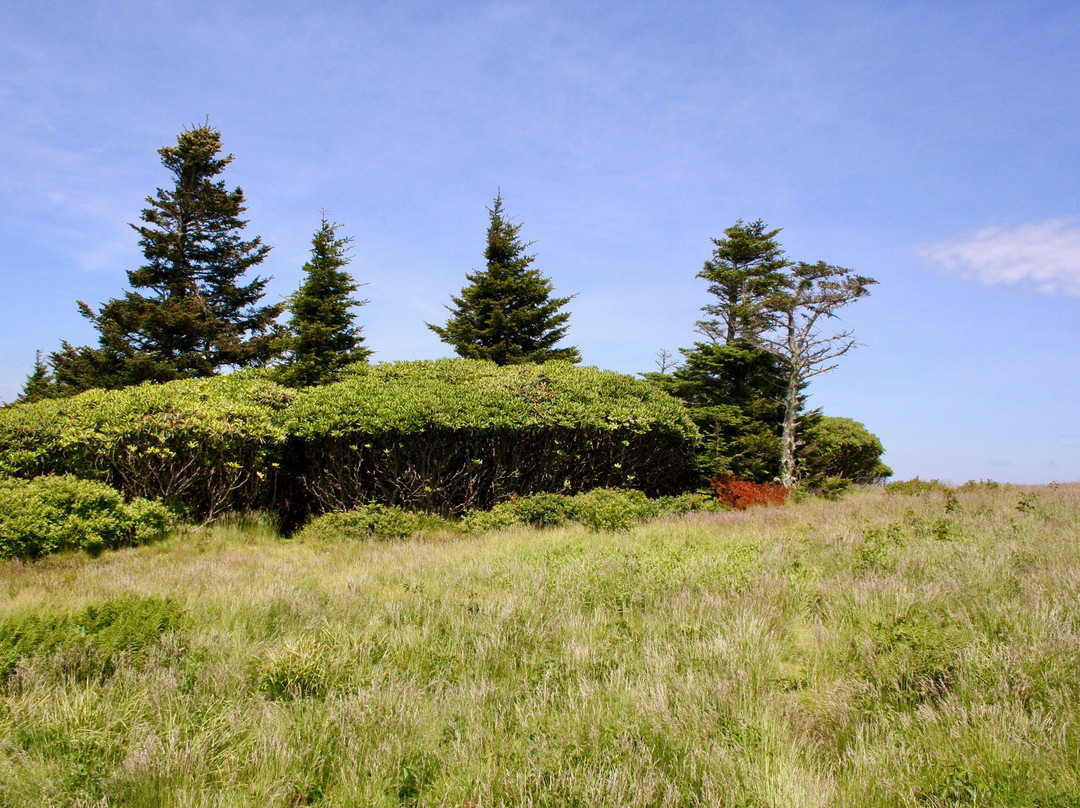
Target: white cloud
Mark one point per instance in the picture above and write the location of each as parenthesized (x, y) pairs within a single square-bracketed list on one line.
[(1045, 254)]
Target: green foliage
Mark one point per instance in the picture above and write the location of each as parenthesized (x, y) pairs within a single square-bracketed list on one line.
[(916, 487), (911, 658), (299, 670), (730, 384), (601, 509), (371, 521), (543, 510), (39, 384), (439, 436), (606, 509), (211, 445), (455, 434), (322, 338), (746, 385), (745, 271), (506, 314), (831, 487), (122, 626), (197, 317), (51, 514), (730, 390), (840, 449)]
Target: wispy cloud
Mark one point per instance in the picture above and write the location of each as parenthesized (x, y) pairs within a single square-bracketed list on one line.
[(1044, 254)]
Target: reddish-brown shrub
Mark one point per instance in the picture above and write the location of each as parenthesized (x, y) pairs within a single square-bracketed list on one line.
[(737, 493)]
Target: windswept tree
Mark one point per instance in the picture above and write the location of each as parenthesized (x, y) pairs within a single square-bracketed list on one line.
[(812, 295), (746, 384), (729, 383), (191, 312), (507, 314), (322, 337)]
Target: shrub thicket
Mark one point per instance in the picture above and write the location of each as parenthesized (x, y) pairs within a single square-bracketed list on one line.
[(442, 436), (210, 445), (456, 434), (54, 513)]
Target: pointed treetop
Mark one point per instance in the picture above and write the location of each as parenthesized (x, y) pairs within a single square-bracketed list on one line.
[(506, 314)]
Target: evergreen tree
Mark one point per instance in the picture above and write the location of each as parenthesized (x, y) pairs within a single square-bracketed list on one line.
[(198, 315), (731, 390), (39, 384), (746, 269), (321, 336), (731, 385), (506, 313)]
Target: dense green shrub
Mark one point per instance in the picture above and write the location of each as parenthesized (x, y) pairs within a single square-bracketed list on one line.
[(914, 487), (831, 487), (607, 509), (455, 434), (54, 513), (372, 521), (125, 625), (211, 444), (839, 448), (599, 509), (442, 436)]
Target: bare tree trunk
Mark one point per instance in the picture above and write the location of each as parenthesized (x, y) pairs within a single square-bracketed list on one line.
[(789, 442)]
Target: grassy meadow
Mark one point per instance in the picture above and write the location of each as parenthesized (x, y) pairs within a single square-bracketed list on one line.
[(886, 649)]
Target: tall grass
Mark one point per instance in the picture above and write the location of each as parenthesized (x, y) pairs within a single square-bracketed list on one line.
[(889, 649)]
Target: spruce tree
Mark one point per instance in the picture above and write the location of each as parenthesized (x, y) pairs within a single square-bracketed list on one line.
[(731, 385), (321, 336), (39, 384), (198, 316), (746, 269), (506, 314)]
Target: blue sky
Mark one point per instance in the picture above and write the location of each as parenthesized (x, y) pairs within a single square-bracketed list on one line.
[(930, 145)]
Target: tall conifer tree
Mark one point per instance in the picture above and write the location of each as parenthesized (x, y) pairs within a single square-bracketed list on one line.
[(506, 313), (190, 313), (730, 384), (322, 337)]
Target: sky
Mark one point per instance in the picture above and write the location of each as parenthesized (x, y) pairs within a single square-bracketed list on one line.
[(929, 145)]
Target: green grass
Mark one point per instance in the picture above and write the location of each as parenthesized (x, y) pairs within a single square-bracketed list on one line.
[(904, 648)]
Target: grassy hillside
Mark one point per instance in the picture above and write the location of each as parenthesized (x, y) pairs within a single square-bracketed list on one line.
[(884, 650)]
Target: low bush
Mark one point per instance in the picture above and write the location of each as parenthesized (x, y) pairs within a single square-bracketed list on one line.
[(372, 521), (54, 513), (916, 487), (736, 493), (830, 487), (599, 509)]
